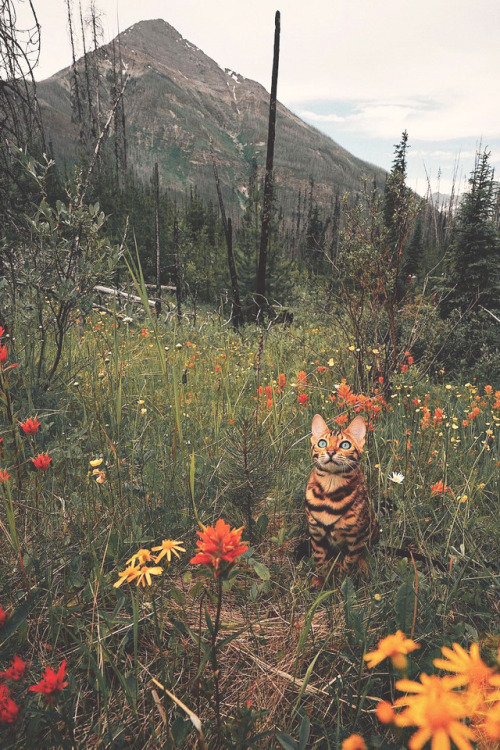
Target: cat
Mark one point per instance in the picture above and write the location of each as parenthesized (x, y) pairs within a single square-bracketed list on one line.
[(340, 516)]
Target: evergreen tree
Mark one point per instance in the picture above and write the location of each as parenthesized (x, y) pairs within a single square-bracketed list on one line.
[(474, 256)]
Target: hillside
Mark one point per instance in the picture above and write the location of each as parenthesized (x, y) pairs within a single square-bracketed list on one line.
[(177, 98)]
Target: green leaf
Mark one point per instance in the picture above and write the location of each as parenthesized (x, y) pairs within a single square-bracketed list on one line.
[(261, 570), (286, 741), (405, 604), (305, 729)]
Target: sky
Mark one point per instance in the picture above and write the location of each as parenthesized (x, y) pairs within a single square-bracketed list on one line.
[(361, 71)]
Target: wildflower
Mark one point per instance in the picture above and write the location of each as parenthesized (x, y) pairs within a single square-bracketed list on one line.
[(436, 711), (440, 488), (99, 476), (321, 369), (8, 709), (130, 573), (166, 548), (354, 742), (142, 556), (492, 724), (144, 333), (269, 403), (51, 682), (396, 477), (218, 368), (303, 398), (404, 368), (393, 646), (3, 354), (3, 616), (410, 360), (15, 671), (30, 426), (438, 417), (218, 543), (95, 462), (281, 381), (341, 419), (385, 712), (42, 462), (145, 573), (4, 475), (2, 331), (468, 668), (301, 379)]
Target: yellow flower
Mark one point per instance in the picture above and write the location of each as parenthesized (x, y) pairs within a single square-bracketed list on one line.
[(100, 476), (436, 710), (354, 742), (145, 574), (96, 462), (166, 548), (129, 574), (142, 556), (468, 668), (393, 646)]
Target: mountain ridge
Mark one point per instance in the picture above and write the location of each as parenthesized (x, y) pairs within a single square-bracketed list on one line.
[(177, 100)]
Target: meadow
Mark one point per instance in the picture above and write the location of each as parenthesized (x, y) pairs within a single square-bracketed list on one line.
[(154, 430)]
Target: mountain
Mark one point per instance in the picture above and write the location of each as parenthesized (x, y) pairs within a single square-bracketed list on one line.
[(176, 100)]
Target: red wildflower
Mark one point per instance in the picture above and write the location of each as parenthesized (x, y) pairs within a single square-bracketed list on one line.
[(440, 488), (269, 391), (30, 426), (301, 379), (2, 331), (341, 419), (218, 368), (144, 333), (303, 398), (42, 461), (15, 671), (3, 616), (404, 368), (321, 368), (269, 403), (51, 682), (8, 709), (218, 543), (438, 416), (281, 380), (4, 475), (3, 354), (410, 360)]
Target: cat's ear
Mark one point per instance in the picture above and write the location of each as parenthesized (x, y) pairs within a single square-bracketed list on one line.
[(319, 426), (357, 429)]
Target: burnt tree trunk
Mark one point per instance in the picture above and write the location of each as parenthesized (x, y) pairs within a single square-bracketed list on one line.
[(268, 180), (157, 240)]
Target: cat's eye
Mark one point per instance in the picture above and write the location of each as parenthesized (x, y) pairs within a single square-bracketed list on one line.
[(322, 443), (345, 445)]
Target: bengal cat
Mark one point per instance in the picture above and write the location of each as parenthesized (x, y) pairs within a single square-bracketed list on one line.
[(340, 516)]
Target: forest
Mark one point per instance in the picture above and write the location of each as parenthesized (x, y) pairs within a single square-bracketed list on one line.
[(162, 356)]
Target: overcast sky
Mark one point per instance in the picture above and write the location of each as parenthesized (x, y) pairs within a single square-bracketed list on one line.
[(362, 71)]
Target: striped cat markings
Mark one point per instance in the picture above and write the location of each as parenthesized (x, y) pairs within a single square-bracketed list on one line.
[(340, 516)]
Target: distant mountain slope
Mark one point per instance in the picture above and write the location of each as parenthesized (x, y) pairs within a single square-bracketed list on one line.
[(177, 98)]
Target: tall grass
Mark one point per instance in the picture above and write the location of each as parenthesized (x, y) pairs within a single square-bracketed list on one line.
[(164, 406)]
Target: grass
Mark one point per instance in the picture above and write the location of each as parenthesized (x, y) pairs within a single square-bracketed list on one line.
[(175, 414)]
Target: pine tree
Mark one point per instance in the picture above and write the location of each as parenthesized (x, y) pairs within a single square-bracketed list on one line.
[(474, 256)]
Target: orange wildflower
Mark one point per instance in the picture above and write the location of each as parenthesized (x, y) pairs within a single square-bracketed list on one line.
[(166, 548), (218, 544), (440, 488), (436, 710), (354, 742), (437, 419), (281, 380), (341, 419), (303, 398), (4, 475), (301, 379), (218, 368), (394, 647), (30, 426), (51, 682), (321, 368), (42, 461), (385, 712)]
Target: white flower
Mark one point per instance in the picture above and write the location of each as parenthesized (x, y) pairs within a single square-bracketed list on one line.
[(396, 477)]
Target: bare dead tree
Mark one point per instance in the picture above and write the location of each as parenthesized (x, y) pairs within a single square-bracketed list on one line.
[(177, 271), (157, 239), (228, 234), (268, 179)]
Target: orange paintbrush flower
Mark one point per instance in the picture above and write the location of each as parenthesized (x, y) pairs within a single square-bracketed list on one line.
[(394, 647), (42, 461), (218, 543), (30, 426), (440, 488), (4, 475), (51, 682)]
